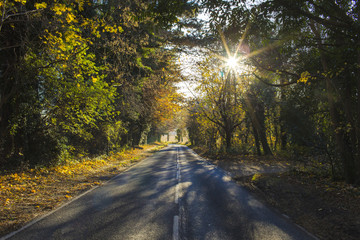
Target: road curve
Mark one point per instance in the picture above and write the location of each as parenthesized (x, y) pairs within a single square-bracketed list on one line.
[(173, 194)]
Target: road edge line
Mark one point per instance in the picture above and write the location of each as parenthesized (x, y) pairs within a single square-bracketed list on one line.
[(36, 220)]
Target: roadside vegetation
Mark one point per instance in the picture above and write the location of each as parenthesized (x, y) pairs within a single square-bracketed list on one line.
[(327, 209), (84, 78)]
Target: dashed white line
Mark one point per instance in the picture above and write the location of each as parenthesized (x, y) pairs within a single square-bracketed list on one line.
[(177, 193), (176, 228), (176, 217)]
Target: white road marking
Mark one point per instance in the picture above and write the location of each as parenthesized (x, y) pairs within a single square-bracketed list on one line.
[(312, 235), (177, 193), (176, 217), (176, 228)]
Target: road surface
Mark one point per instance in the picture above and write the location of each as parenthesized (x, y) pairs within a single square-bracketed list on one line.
[(173, 194)]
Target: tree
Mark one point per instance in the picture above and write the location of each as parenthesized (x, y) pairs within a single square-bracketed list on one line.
[(220, 101)]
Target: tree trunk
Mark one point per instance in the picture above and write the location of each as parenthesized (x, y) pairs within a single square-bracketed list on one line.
[(357, 126), (264, 142), (257, 117), (260, 116), (257, 143), (228, 138), (283, 135)]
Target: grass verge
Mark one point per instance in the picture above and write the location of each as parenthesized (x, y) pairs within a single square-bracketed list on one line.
[(34, 192), (327, 209)]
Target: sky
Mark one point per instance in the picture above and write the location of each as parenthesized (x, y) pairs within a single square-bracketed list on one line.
[(188, 61)]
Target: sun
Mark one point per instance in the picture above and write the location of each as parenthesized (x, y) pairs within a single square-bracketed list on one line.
[(232, 62)]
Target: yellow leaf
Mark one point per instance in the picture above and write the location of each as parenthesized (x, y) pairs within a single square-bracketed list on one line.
[(70, 17), (40, 5), (59, 9), (23, 2)]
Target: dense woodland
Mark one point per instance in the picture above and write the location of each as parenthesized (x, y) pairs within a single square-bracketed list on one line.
[(296, 89), (83, 77)]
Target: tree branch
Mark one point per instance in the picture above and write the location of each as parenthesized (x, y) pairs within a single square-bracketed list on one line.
[(273, 84)]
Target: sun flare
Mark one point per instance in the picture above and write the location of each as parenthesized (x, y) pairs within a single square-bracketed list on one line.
[(232, 62)]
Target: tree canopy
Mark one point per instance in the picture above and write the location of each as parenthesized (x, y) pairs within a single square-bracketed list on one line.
[(84, 77)]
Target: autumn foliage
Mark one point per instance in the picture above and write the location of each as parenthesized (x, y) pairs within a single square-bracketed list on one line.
[(83, 77)]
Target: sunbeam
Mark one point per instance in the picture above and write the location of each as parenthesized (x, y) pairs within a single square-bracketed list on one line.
[(232, 62)]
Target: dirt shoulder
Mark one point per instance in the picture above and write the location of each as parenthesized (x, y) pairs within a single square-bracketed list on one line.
[(31, 193), (327, 209)]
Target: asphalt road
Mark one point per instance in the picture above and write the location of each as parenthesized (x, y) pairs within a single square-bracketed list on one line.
[(173, 194)]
